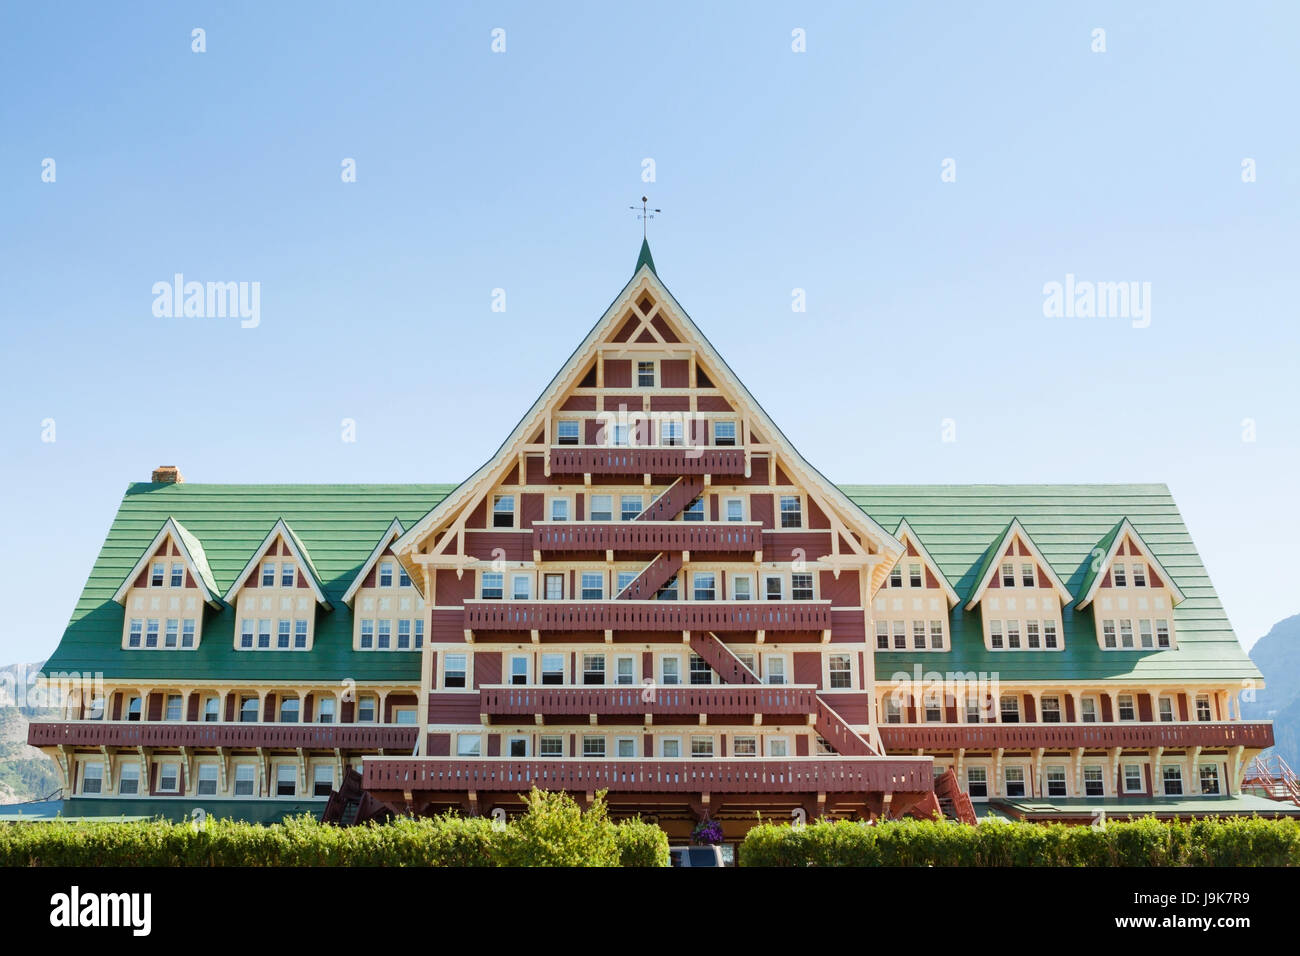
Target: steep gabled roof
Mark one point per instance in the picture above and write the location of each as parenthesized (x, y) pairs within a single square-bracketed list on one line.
[(904, 532), (993, 557), (393, 531), (192, 554), (646, 279), (282, 529), (1109, 548)]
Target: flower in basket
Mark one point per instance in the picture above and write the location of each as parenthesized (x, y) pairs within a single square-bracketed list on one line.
[(707, 832)]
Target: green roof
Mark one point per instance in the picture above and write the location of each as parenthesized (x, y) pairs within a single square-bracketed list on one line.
[(645, 259), (340, 524), (1094, 567), (1047, 808), (1066, 522)]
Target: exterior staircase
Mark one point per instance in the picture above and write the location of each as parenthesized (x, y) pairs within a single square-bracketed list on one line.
[(1271, 777), (674, 499), (655, 575), (842, 738), (954, 803)]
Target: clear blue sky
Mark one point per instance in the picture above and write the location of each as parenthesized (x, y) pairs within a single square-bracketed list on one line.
[(775, 170)]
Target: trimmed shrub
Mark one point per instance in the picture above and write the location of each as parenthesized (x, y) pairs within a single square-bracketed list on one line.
[(1235, 841), (555, 832), (641, 844)]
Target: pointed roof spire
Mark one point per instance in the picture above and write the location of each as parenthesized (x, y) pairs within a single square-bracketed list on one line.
[(645, 259)]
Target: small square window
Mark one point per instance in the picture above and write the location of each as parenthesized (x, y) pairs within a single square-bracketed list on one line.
[(791, 511), (493, 586), (453, 670), (503, 511), (724, 433), (645, 374), (801, 587), (602, 508), (567, 433), (630, 506), (559, 509)]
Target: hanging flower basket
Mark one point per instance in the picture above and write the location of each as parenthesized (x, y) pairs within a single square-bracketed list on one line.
[(707, 832)]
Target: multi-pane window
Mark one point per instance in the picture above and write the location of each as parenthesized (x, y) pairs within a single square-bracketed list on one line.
[(264, 633), (289, 710), (669, 591), (567, 432), (1166, 707), (882, 635), (670, 432), (157, 575), (593, 668), (701, 746), (1119, 574), (624, 671), (593, 586), (419, 634), (918, 635), (1014, 779), (896, 577), (171, 637), (933, 710), (128, 779), (550, 745), (300, 634), (386, 574), (744, 746), (973, 710), (1094, 784), (977, 782), (1013, 635), (900, 636), (92, 778), (1203, 707), (493, 586), (249, 710), (704, 585), (187, 632), (284, 631), (173, 711), (694, 511), (791, 511), (1126, 710), (724, 433), (207, 785), (1108, 634), (403, 579), (268, 574), (936, 635), (841, 671), (701, 673), (602, 507), (1032, 638), (593, 746), (367, 635), (1049, 635), (645, 374), (403, 635), (367, 709), (1139, 575), (503, 511), (893, 712), (245, 633), (212, 709), (735, 509), (169, 777), (553, 585), (178, 575), (453, 670), (629, 506), (775, 669), (1010, 709), (774, 587), (518, 670), (136, 633), (1162, 634), (324, 710), (995, 635), (1210, 779), (288, 574), (1027, 575), (914, 578), (1055, 776), (742, 587), (1132, 777), (1172, 776), (1088, 710), (151, 632), (1008, 575), (801, 587), (322, 780), (1125, 633), (1144, 633), (670, 670), (1051, 710), (245, 778), (559, 509)]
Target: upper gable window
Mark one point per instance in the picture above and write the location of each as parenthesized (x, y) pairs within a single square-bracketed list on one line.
[(567, 433), (1120, 574), (1027, 575), (403, 579), (1008, 574), (386, 574), (896, 577), (288, 574), (791, 511), (914, 574), (157, 575), (671, 433), (178, 575), (724, 433), (503, 511), (645, 374), (1139, 575), (268, 574)]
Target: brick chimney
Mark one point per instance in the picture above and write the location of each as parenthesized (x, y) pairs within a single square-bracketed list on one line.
[(167, 475)]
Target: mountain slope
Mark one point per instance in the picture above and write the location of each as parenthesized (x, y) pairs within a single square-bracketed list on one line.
[(1277, 655), (25, 772)]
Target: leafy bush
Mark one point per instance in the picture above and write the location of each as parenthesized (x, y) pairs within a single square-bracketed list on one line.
[(552, 832), (1234, 841)]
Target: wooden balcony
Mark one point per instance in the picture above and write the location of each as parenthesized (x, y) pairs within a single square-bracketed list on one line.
[(580, 460), (703, 775), (170, 734), (1093, 736), (648, 537), (637, 700), (647, 616)]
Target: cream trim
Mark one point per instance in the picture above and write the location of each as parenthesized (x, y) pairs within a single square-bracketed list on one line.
[(170, 527), (1127, 530), (1014, 529), (394, 531)]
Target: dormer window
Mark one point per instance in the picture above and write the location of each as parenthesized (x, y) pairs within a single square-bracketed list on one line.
[(567, 433), (1008, 575), (724, 433), (178, 574), (1121, 577), (403, 579), (386, 574), (645, 374), (288, 575), (1139, 575), (156, 575), (896, 577), (914, 574), (1027, 575), (268, 574)]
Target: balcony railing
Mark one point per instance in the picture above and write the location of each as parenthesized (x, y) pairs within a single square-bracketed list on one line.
[(739, 775), (685, 699), (900, 737), (647, 616), (648, 536), (120, 733), (647, 461)]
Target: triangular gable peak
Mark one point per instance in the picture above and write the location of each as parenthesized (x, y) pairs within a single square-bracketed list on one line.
[(281, 541), (1123, 541), (646, 321), (392, 533), (173, 541), (1015, 545), (916, 549)]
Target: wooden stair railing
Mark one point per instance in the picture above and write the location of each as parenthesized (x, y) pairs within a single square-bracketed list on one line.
[(829, 725), (951, 795), (655, 575), (674, 499)]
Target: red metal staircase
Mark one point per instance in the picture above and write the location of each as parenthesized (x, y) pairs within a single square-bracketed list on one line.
[(656, 574), (1271, 777), (674, 499)]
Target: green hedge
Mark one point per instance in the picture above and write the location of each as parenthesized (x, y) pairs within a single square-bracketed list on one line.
[(1234, 841), (552, 832)]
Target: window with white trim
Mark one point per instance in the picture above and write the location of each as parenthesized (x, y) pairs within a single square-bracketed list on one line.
[(207, 780), (469, 745), (454, 670), (245, 779), (1094, 782), (791, 511), (1172, 777), (1209, 776), (567, 433), (724, 433), (1126, 709), (92, 778), (552, 669), (1013, 779), (503, 511), (1054, 775), (169, 778), (841, 671), (977, 782)]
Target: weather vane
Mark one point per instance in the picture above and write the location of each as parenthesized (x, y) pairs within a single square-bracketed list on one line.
[(646, 214)]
